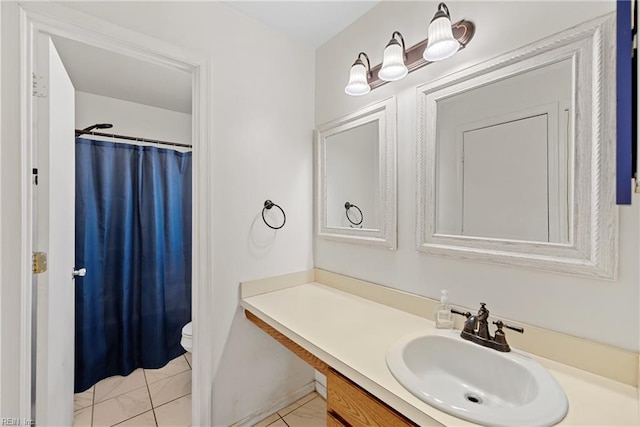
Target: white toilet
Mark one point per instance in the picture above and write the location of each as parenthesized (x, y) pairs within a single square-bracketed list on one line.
[(187, 336)]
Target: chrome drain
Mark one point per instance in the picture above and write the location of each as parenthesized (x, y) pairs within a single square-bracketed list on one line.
[(473, 398)]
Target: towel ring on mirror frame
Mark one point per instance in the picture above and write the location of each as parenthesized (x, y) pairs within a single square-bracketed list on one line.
[(348, 206), (268, 204)]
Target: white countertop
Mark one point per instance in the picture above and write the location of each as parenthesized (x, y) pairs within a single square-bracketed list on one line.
[(352, 335)]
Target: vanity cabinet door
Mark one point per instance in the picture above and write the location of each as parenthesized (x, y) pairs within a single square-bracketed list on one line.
[(333, 421), (357, 407)]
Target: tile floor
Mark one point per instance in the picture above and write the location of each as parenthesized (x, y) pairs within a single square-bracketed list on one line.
[(310, 411), (147, 397)]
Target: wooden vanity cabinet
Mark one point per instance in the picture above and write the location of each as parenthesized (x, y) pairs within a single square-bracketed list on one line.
[(350, 405)]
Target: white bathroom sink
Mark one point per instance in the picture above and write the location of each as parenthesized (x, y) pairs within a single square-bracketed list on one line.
[(475, 383)]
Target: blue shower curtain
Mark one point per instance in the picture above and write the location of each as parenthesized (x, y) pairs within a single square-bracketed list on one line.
[(133, 235)]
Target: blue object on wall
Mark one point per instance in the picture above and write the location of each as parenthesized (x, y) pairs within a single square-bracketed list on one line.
[(133, 234), (624, 103)]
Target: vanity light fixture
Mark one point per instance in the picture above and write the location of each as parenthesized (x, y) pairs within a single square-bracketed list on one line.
[(393, 66), (444, 41), (441, 43), (359, 77)]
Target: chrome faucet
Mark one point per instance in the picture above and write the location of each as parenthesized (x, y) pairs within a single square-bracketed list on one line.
[(476, 329)]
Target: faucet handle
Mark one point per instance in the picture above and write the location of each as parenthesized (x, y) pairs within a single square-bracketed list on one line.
[(500, 324), (465, 314)]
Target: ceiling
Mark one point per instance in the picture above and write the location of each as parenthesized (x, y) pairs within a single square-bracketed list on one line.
[(105, 73), (102, 72), (311, 22)]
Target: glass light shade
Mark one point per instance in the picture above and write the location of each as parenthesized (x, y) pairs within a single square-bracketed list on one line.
[(393, 67), (441, 44), (358, 84)]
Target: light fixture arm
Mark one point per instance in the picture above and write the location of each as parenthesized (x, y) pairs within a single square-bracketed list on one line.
[(404, 49), (359, 61), (443, 10)]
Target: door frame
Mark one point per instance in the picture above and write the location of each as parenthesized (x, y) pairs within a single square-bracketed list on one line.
[(58, 20)]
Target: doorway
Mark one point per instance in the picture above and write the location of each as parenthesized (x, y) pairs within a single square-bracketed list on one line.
[(79, 29), (133, 207)]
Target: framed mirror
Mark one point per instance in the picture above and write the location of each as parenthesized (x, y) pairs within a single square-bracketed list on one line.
[(356, 177), (516, 157)]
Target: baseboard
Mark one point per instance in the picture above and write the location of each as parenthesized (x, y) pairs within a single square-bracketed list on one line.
[(321, 389), (321, 385), (274, 407), (261, 286)]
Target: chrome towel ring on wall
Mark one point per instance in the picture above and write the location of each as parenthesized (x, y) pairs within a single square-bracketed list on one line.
[(348, 206), (268, 204)]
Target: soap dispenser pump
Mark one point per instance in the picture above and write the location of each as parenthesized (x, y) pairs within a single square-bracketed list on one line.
[(444, 316)]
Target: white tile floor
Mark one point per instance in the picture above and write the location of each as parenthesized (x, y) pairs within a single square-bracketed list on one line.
[(147, 397), (310, 411)]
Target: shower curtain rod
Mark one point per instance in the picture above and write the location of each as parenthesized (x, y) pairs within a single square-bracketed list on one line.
[(80, 132)]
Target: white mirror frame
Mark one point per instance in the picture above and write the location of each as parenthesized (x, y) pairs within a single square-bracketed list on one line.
[(593, 230), (386, 235)]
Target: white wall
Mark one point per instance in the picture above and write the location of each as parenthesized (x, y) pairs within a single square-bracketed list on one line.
[(263, 88), (1, 235), (132, 119), (573, 305), (10, 227)]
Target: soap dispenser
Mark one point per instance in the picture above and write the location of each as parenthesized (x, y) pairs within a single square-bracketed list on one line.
[(444, 316)]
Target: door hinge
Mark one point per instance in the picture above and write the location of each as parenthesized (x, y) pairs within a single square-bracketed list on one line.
[(40, 86), (39, 264), (35, 176)]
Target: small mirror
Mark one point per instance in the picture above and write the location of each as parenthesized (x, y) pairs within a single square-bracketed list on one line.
[(356, 177), (516, 157), (352, 177)]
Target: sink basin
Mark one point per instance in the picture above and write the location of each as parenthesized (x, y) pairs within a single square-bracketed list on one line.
[(475, 383)]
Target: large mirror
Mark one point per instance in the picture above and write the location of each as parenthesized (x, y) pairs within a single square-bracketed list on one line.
[(516, 157), (356, 195), (502, 169)]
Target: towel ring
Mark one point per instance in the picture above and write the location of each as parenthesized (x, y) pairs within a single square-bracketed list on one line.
[(348, 206), (268, 204)]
